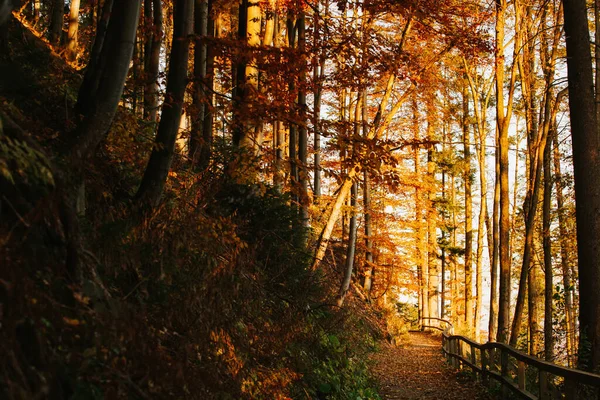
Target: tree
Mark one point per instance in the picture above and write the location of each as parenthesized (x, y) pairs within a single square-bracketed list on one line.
[(587, 182), (56, 21), (503, 121), (102, 87), (159, 164), (153, 14), (73, 28), (201, 135)]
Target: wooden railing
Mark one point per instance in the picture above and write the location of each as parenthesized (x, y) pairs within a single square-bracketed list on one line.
[(436, 323), (518, 374)]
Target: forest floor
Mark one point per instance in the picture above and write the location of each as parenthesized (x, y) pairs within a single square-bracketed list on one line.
[(418, 370)]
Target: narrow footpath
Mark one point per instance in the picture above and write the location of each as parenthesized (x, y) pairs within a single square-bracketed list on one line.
[(418, 370)]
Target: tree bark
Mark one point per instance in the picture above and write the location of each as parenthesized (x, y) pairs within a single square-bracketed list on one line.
[(469, 309), (350, 250), (56, 21), (584, 131), (88, 90), (303, 175), (548, 283), (73, 28), (109, 80), (503, 121), (154, 17), (155, 176), (565, 256), (200, 142)]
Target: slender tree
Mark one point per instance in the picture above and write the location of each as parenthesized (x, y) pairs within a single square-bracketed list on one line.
[(106, 78), (155, 176), (73, 28), (153, 13), (56, 21)]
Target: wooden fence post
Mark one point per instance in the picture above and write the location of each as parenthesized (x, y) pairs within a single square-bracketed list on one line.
[(473, 358), (543, 385), (504, 373), (484, 366), (521, 375)]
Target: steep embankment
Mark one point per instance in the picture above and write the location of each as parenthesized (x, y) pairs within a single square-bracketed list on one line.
[(210, 296)]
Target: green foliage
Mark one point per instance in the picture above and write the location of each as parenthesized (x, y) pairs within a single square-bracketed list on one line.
[(336, 366), (23, 165)]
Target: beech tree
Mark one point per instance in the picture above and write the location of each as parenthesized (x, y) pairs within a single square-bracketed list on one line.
[(587, 185), (159, 164), (103, 83)]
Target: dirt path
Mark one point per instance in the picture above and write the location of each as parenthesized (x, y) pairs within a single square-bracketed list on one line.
[(419, 371)]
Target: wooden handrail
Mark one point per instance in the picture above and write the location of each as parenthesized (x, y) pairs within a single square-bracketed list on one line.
[(448, 329), (485, 366)]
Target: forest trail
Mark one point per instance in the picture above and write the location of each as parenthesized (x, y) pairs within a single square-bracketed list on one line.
[(418, 370)]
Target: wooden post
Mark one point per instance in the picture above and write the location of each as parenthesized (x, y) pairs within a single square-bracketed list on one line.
[(570, 389), (543, 386), (473, 358), (504, 373), (521, 375), (484, 366)]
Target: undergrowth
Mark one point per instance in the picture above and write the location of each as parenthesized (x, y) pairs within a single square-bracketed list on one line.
[(209, 296)]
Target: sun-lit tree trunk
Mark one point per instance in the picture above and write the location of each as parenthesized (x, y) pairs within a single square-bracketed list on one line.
[(586, 163), (107, 79), (548, 273), (73, 28), (467, 178), (420, 223), (201, 134), (153, 15), (318, 78), (350, 251), (565, 255), (355, 118), (503, 116), (246, 134), (303, 175), (159, 164), (369, 267), (480, 106)]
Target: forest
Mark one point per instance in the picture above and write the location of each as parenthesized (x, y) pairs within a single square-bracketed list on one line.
[(248, 199)]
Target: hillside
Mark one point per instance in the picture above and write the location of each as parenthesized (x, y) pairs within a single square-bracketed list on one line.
[(208, 296)]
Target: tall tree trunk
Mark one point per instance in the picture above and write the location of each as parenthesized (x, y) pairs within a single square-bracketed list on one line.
[(111, 72), (318, 78), (586, 155), (303, 175), (503, 121), (88, 91), (420, 227), (469, 309), (246, 135), (73, 28), (200, 142), (350, 250), (155, 176), (56, 21), (431, 217), (154, 17), (369, 266), (565, 255), (548, 283)]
